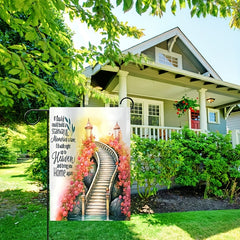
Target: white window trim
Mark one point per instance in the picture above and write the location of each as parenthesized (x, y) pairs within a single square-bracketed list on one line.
[(173, 54), (145, 103), (217, 111)]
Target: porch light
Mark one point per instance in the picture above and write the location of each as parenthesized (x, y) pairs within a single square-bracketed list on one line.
[(116, 130), (210, 100), (88, 129)]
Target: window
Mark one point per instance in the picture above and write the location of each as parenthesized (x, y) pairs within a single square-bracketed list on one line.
[(137, 114), (168, 58), (147, 112), (213, 116), (153, 115)]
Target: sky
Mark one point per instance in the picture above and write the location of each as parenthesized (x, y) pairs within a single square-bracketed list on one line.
[(215, 40)]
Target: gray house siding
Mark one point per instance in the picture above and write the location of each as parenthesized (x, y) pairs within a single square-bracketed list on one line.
[(221, 127), (189, 62), (233, 121), (170, 116)]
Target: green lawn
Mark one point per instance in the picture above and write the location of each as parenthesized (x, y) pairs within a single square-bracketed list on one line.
[(28, 221), (14, 177)]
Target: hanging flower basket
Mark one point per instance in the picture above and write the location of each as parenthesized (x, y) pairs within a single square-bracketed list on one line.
[(184, 104)]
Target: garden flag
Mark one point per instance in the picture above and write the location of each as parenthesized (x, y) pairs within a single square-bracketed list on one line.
[(89, 163)]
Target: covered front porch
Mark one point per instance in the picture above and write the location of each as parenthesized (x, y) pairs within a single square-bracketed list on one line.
[(155, 88)]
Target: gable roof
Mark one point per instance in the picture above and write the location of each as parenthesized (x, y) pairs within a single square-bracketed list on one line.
[(173, 33)]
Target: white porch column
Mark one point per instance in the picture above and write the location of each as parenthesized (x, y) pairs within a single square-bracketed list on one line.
[(122, 86), (203, 109)]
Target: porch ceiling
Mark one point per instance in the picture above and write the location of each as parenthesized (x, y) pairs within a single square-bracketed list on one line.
[(139, 87), (163, 82)]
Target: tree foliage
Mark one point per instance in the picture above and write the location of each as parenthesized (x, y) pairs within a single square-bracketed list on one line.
[(227, 8), (43, 49)]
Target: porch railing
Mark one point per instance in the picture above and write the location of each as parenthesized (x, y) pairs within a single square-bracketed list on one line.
[(154, 132)]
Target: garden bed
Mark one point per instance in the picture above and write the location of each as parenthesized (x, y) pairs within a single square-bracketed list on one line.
[(180, 200)]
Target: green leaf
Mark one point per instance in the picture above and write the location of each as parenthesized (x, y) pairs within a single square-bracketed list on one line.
[(139, 6), (3, 91), (17, 47), (30, 36), (215, 11), (127, 5), (60, 5), (14, 71), (119, 2), (163, 5), (88, 3), (182, 3), (14, 80), (194, 10), (174, 7)]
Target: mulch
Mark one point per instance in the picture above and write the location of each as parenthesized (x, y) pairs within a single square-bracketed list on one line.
[(180, 200)]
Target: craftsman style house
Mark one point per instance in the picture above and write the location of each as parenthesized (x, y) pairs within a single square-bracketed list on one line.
[(175, 68)]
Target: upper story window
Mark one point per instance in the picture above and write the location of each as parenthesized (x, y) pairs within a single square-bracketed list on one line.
[(168, 58)]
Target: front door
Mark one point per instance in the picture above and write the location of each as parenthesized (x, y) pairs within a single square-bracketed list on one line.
[(195, 119)]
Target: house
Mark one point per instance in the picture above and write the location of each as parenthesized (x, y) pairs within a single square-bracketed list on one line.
[(175, 69)]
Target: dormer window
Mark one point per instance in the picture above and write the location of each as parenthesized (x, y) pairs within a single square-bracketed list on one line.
[(165, 57)]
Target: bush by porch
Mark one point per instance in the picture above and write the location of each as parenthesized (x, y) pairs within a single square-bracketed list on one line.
[(188, 159)]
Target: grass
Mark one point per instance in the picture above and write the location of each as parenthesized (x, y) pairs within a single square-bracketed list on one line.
[(26, 218), (169, 226), (14, 177)]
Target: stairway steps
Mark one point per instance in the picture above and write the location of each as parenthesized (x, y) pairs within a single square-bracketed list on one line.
[(96, 207)]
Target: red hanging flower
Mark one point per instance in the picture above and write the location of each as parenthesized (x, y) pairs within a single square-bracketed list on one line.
[(184, 104)]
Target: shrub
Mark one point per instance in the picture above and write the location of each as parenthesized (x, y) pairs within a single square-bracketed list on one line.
[(7, 154), (207, 159), (36, 146), (153, 162)]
